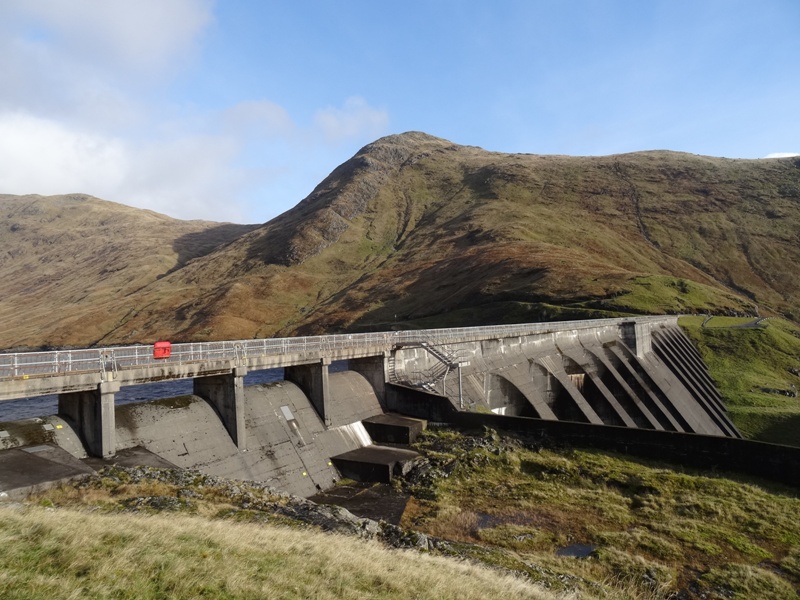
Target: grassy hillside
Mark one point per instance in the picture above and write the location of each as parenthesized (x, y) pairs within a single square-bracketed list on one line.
[(659, 530), (417, 230), (153, 533), (71, 553), (757, 370), (71, 265)]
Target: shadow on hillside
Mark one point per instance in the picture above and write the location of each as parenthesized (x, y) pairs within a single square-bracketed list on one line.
[(782, 431), (201, 243)]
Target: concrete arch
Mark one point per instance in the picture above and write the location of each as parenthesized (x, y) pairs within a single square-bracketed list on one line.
[(505, 398), (561, 394)]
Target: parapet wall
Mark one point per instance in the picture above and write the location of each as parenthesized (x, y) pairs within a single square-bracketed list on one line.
[(711, 453)]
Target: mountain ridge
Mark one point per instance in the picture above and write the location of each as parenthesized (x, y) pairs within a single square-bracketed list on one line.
[(415, 230)]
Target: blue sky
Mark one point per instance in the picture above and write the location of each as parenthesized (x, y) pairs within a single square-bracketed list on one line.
[(234, 110)]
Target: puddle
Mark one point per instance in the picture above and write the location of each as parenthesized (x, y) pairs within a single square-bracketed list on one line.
[(576, 550), (368, 500), (487, 521)]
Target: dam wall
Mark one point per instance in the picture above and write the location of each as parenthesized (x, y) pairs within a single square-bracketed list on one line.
[(640, 375), (288, 445), (626, 375)]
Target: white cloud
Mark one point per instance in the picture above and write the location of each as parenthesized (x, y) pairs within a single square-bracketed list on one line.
[(192, 177), (42, 156), (782, 155), (145, 35), (355, 119), (82, 109)]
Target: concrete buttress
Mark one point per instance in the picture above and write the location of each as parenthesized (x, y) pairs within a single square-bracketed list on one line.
[(313, 380), (374, 369), (91, 413), (226, 394)]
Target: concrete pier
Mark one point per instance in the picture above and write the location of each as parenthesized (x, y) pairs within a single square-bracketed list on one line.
[(313, 380), (226, 395), (91, 413)]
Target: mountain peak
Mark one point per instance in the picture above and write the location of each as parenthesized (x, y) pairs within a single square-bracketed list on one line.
[(416, 231)]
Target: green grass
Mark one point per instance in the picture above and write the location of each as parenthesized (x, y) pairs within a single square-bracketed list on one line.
[(492, 501), (746, 361), (74, 554), (658, 528), (156, 533), (659, 294)]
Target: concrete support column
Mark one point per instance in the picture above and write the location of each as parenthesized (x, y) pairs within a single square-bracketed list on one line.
[(226, 395), (313, 380), (374, 369), (92, 415), (636, 336)]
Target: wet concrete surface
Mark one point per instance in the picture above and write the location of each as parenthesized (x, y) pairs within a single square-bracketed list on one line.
[(31, 469), (377, 501), (130, 457), (35, 468)]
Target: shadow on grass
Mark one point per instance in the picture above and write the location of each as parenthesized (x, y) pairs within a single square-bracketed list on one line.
[(784, 429)]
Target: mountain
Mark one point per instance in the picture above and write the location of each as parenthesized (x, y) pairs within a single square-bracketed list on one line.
[(416, 231), (72, 265)]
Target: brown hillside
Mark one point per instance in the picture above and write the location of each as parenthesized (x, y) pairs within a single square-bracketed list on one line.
[(72, 265), (417, 231)]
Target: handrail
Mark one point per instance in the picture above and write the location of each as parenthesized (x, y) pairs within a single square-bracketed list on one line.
[(62, 362)]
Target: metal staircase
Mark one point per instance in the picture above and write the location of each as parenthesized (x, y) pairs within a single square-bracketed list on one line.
[(447, 360)]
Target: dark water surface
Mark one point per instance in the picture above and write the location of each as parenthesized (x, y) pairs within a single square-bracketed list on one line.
[(27, 408)]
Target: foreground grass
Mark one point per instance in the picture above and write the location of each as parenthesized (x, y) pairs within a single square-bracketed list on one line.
[(749, 365), (658, 530), (488, 501), (68, 553)]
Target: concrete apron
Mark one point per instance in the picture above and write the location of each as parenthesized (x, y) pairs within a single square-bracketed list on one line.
[(36, 468)]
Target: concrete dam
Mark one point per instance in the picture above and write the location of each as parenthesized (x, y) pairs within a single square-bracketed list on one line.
[(298, 434)]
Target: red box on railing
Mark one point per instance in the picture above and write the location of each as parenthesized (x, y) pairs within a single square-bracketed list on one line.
[(162, 349)]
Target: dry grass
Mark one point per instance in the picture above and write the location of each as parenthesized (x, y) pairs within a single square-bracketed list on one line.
[(61, 553)]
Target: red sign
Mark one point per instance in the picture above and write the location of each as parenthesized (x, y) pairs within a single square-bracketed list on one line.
[(162, 350)]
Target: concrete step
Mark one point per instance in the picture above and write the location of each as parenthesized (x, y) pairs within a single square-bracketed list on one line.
[(391, 428), (31, 469), (374, 463)]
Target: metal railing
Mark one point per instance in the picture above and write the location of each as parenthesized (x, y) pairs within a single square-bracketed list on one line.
[(61, 362)]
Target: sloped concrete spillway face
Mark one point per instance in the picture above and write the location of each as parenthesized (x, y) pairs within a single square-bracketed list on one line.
[(288, 445), (624, 374)]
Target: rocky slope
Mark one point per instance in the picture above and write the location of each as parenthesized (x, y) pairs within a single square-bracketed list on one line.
[(418, 231)]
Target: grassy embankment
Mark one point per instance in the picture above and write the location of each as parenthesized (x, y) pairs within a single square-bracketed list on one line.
[(654, 529), (151, 540), (500, 503), (749, 365), (70, 554)]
